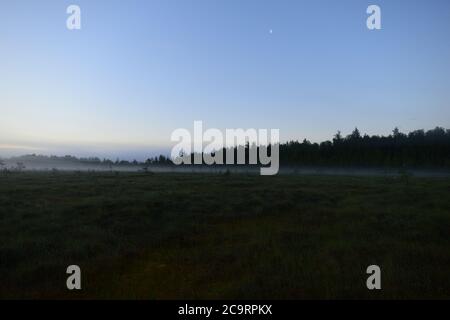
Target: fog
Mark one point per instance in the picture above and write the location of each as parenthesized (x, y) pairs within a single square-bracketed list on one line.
[(42, 165)]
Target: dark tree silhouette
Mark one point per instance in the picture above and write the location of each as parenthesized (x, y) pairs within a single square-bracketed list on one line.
[(415, 149)]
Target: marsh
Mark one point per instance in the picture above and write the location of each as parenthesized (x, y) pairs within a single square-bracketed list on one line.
[(187, 236)]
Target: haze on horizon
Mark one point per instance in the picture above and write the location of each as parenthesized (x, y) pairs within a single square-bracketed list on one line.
[(138, 70)]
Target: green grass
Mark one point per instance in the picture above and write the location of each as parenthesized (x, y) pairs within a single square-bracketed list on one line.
[(166, 236)]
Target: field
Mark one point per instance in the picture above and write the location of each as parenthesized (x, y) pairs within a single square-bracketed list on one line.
[(188, 236)]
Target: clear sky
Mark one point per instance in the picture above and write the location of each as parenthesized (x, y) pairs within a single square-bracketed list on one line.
[(137, 70)]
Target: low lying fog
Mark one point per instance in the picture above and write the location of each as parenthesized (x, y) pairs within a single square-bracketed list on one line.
[(50, 165)]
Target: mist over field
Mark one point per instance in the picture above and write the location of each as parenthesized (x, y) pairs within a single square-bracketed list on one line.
[(45, 164)]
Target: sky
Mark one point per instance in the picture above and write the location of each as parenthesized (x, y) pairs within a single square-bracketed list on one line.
[(138, 70)]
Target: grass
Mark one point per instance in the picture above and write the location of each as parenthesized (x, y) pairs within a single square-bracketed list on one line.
[(189, 236)]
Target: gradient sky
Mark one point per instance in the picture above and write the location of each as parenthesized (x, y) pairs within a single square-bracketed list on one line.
[(140, 69)]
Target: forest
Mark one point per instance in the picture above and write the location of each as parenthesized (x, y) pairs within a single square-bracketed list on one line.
[(417, 148)]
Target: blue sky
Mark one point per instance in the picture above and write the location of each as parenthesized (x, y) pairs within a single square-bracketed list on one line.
[(137, 70)]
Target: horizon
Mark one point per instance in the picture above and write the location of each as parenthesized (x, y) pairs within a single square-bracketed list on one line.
[(144, 156), (136, 72)]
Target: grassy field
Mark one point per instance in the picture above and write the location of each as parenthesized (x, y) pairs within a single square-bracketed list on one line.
[(164, 236)]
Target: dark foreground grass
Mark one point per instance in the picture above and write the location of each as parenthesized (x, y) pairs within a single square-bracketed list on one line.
[(214, 236)]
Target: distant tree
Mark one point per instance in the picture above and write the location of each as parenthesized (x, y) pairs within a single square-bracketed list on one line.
[(355, 134), (397, 134), (20, 166), (337, 137), (107, 162)]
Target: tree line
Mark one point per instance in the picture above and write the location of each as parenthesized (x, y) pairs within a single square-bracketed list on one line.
[(418, 148)]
